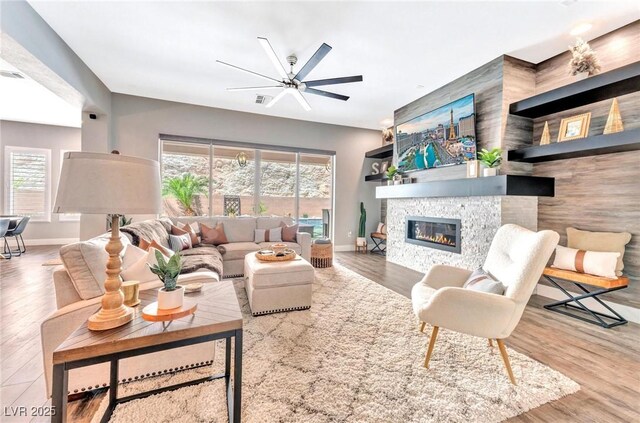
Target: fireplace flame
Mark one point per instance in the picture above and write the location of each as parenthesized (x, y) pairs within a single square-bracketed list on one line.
[(438, 238)]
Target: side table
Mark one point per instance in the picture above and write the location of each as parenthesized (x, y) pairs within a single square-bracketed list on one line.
[(322, 255)]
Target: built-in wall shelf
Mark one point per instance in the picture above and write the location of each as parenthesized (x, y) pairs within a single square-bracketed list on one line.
[(472, 187), (584, 147), (384, 152), (617, 82), (379, 177)]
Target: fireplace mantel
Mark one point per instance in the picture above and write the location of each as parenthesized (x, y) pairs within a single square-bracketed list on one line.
[(500, 185)]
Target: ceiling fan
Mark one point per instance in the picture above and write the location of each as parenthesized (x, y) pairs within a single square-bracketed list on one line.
[(295, 84)]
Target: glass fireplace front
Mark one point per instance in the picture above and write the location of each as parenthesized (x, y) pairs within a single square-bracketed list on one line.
[(434, 232)]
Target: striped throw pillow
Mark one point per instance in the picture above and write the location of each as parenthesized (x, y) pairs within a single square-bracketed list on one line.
[(482, 281)]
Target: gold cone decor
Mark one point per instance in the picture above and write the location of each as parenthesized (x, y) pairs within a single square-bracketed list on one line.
[(614, 121), (546, 137)]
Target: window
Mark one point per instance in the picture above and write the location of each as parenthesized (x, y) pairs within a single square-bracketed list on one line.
[(66, 217), (28, 182), (245, 179)]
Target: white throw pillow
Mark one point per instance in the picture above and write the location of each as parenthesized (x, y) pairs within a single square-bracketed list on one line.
[(180, 242), (86, 263), (591, 262), (268, 235), (132, 255), (482, 281), (140, 271)]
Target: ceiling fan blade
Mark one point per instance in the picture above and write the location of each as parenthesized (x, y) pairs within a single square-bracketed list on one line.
[(303, 101), (313, 62), (277, 98), (268, 87), (274, 59), (333, 81), (327, 94), (248, 71)]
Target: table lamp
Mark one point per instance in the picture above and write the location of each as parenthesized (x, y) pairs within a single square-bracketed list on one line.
[(98, 183)]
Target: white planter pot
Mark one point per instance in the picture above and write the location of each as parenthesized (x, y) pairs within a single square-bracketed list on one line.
[(490, 171), (170, 299), (581, 76), (361, 242)]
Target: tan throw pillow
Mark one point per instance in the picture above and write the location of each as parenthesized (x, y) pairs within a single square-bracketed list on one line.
[(145, 245), (581, 261), (215, 236), (177, 231), (192, 233), (601, 242), (289, 232)]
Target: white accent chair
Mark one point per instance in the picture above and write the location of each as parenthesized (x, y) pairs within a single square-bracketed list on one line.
[(516, 258)]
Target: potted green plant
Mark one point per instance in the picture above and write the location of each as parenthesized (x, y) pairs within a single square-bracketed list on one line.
[(171, 295), (184, 189), (393, 177), (491, 161), (361, 240)]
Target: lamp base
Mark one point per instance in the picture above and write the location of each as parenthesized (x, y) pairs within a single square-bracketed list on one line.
[(109, 319)]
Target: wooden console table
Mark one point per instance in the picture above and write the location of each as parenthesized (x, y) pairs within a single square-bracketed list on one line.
[(581, 311), (218, 317)]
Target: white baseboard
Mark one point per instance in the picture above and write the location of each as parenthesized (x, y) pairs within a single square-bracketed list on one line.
[(50, 241), (632, 314)]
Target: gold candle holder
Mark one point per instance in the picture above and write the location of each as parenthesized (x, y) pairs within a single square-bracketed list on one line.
[(130, 290)]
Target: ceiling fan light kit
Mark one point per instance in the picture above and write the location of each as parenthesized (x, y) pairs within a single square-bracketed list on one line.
[(294, 84)]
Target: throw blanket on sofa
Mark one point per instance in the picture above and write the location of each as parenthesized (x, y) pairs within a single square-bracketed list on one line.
[(201, 258), (149, 230), (192, 259)]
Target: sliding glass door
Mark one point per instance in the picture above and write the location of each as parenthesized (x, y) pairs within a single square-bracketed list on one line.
[(205, 178)]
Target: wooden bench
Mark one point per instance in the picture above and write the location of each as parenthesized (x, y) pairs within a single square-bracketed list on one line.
[(581, 311)]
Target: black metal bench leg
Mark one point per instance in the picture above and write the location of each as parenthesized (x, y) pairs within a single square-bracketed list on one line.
[(596, 316)]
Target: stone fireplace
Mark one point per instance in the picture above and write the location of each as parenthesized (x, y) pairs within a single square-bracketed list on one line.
[(477, 218), (433, 232)]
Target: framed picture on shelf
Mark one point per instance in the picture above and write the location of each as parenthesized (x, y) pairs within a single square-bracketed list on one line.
[(574, 127)]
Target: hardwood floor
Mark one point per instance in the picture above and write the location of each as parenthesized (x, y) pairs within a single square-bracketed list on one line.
[(606, 363)]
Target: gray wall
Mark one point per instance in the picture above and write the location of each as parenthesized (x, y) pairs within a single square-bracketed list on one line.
[(55, 138), (137, 123)]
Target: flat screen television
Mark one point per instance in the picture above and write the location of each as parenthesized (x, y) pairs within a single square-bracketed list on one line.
[(445, 136)]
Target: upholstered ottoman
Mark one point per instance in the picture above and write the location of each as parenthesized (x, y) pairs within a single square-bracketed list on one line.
[(274, 287)]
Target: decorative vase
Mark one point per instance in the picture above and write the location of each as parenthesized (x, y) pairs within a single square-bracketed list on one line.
[(389, 182), (397, 179), (170, 299), (489, 171)]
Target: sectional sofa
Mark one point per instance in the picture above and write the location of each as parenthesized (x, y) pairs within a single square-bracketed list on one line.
[(79, 285)]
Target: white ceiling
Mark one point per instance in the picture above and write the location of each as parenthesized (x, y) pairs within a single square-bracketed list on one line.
[(25, 100), (168, 50)]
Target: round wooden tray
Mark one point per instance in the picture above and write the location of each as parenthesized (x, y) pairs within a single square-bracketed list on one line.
[(153, 314), (289, 254)]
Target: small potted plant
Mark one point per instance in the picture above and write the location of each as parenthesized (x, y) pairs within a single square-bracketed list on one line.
[(491, 161), (171, 295), (393, 177), (361, 240), (584, 62)]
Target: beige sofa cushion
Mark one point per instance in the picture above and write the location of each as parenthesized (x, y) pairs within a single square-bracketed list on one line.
[(239, 229), (601, 242), (272, 222), (86, 263), (237, 250)]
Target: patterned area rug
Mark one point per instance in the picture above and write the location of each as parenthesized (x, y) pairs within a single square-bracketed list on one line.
[(355, 356)]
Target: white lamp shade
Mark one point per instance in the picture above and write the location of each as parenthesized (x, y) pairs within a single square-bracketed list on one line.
[(97, 183)]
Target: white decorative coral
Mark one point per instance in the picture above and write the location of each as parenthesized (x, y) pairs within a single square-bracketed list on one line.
[(583, 59)]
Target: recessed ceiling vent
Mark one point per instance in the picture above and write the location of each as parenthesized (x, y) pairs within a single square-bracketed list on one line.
[(263, 99), (9, 74)]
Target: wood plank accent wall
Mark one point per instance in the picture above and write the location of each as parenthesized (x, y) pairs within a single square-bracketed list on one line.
[(486, 83), (600, 193)]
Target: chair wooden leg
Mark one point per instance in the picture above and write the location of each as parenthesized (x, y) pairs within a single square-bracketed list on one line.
[(505, 358), (422, 326), (490, 343), (432, 343)]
